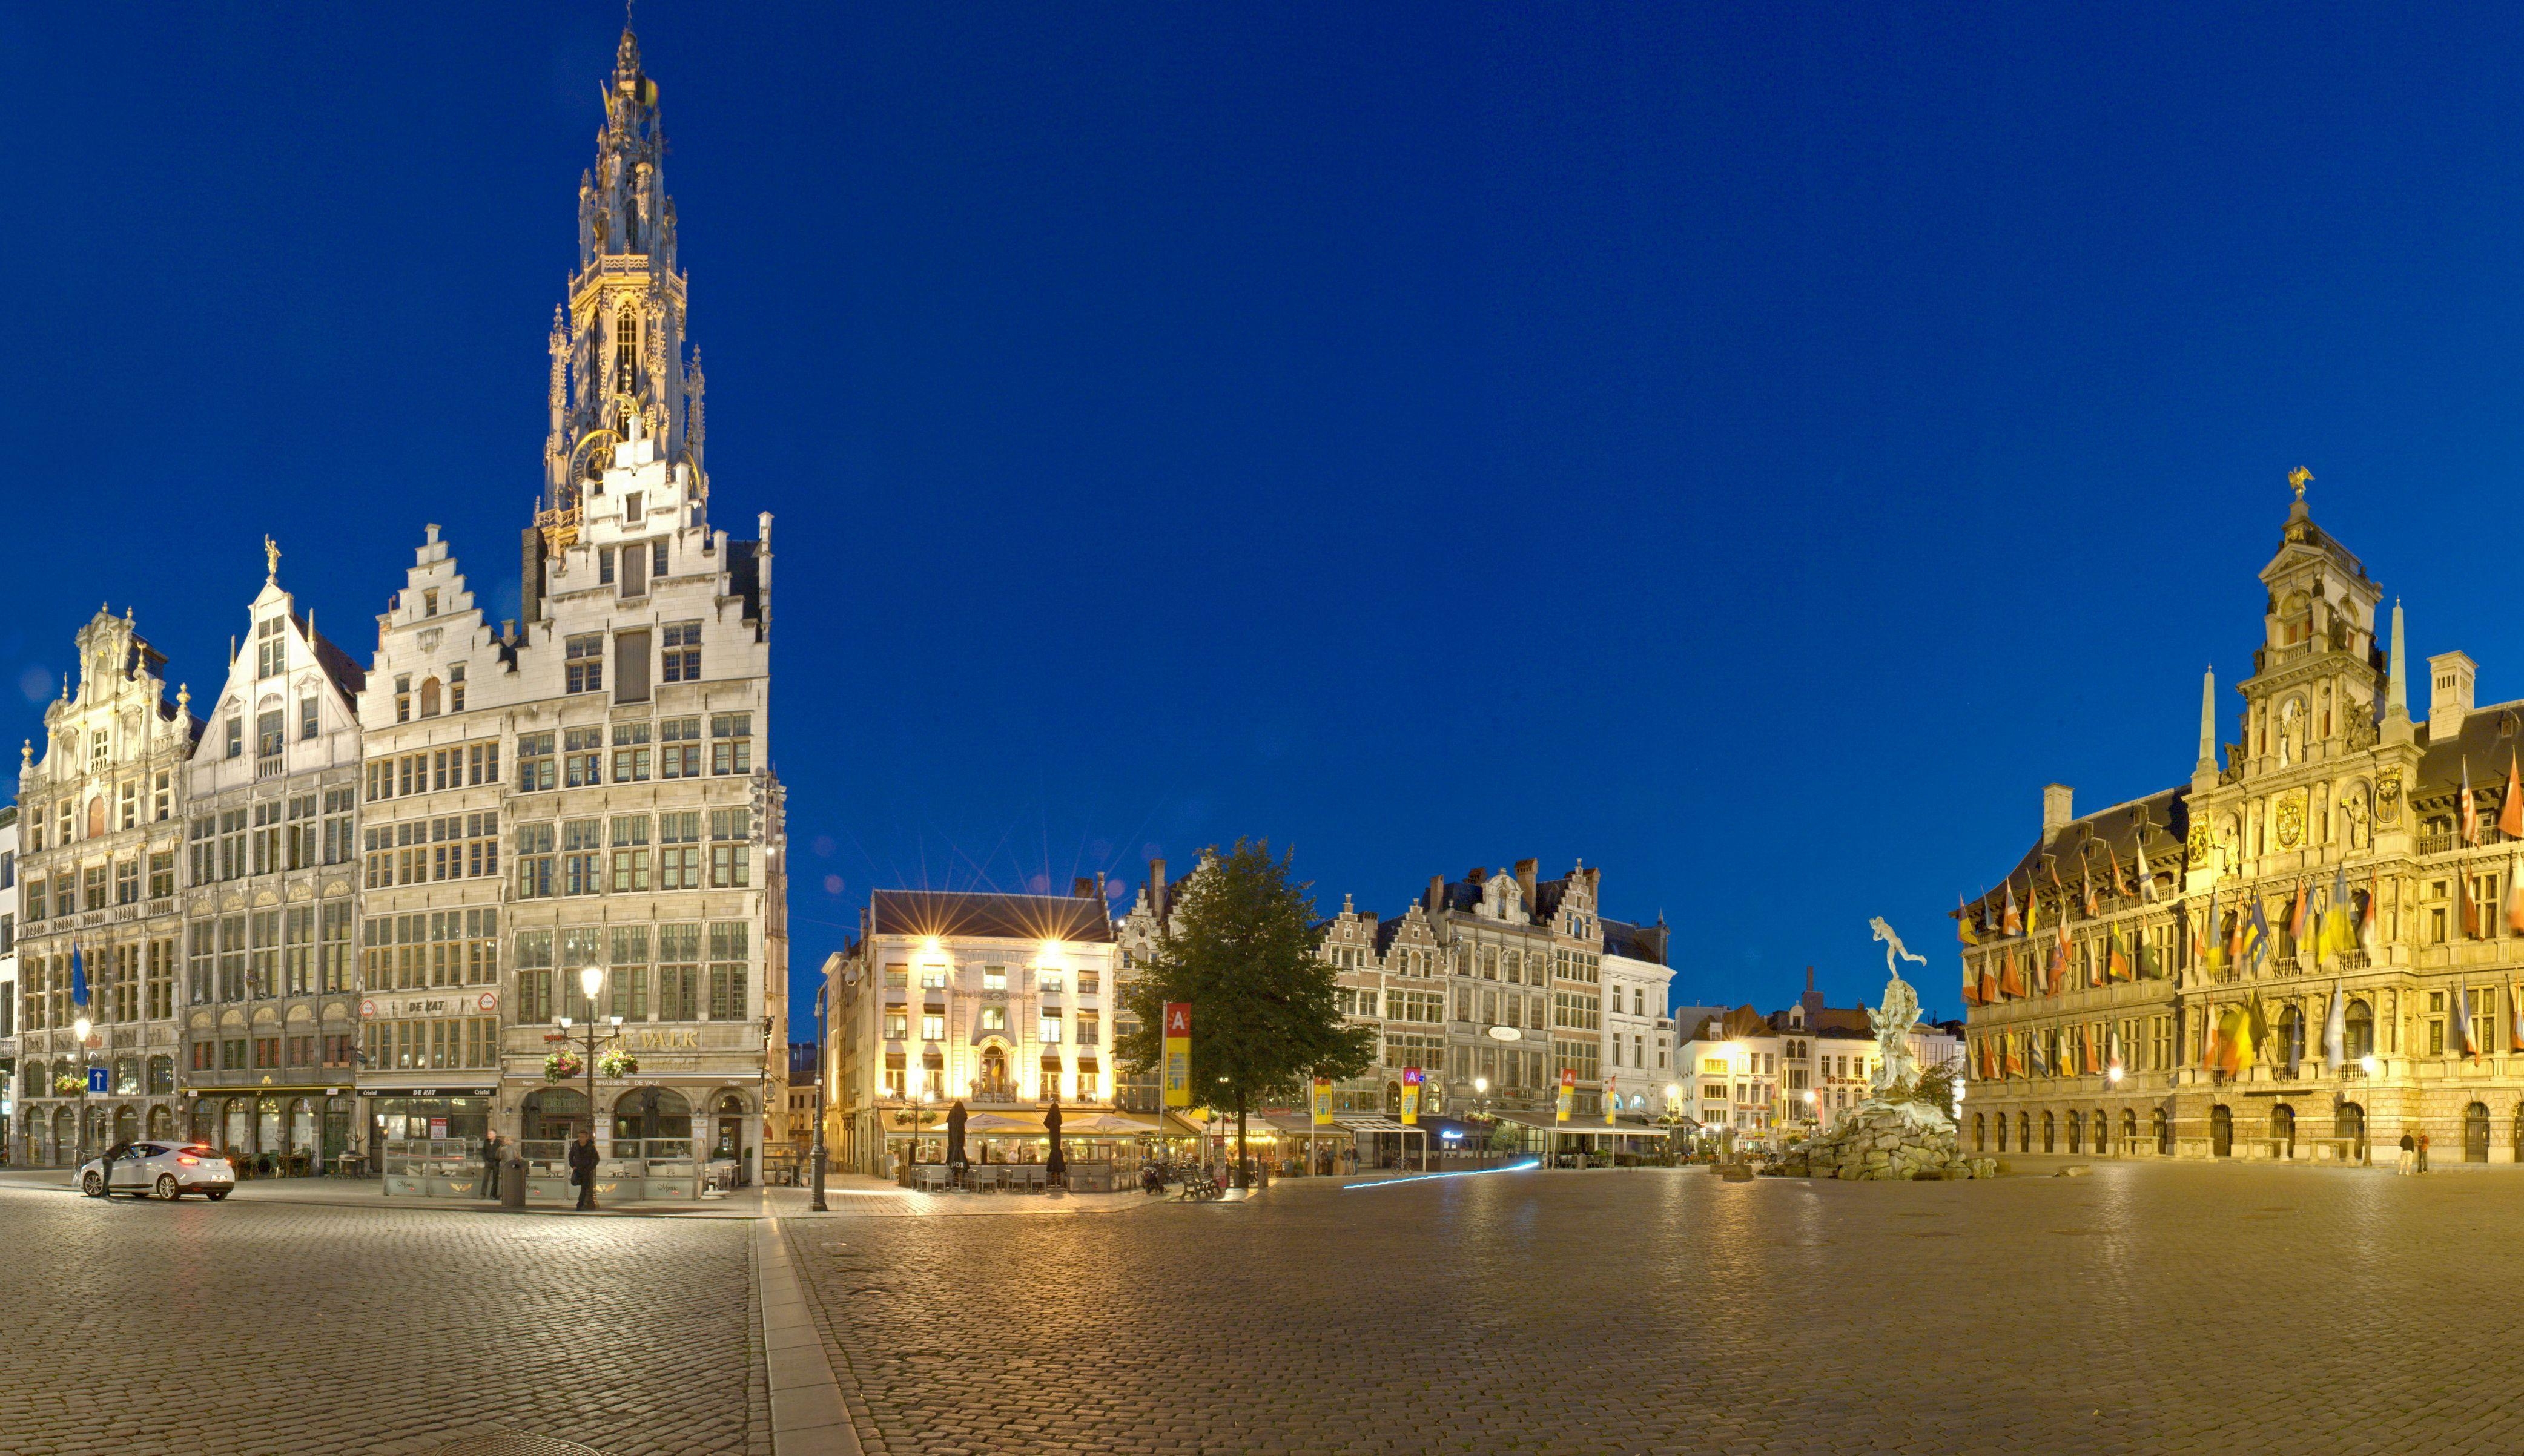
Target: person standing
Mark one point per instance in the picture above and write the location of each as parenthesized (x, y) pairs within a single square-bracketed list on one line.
[(2423, 1152), (491, 1154), (582, 1167), (2409, 1150)]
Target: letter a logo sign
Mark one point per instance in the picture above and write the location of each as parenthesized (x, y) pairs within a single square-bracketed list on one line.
[(1178, 1071)]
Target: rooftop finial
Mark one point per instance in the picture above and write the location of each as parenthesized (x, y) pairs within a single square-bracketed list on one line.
[(2298, 479)]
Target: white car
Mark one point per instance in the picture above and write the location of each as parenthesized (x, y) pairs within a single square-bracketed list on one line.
[(166, 1171)]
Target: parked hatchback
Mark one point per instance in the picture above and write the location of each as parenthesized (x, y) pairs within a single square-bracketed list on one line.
[(160, 1170)]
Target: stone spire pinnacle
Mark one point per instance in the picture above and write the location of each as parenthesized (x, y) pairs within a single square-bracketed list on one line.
[(2396, 686), (2207, 722)]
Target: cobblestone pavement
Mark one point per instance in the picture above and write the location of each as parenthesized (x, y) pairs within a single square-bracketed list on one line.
[(143, 1327), (2143, 1308)]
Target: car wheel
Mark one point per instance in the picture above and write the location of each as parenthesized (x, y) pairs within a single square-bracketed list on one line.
[(216, 1195), (92, 1186), (168, 1192)]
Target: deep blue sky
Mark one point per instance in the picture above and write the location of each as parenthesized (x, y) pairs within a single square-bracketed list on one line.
[(1751, 448)]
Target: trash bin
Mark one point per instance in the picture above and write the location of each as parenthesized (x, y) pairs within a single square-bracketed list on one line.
[(512, 1183)]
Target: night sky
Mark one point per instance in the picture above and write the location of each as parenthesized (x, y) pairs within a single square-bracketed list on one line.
[(1751, 448)]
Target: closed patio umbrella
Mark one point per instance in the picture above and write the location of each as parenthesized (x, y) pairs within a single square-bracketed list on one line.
[(955, 1133), (1055, 1167)]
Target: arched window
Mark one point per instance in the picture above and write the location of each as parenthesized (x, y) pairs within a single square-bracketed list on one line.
[(429, 698), (127, 1077), (551, 1115), (2129, 1130), (2103, 1126), (2282, 1131), (96, 816), (652, 1115), (2349, 1124), (162, 1079), (162, 1123), (2358, 1037), (2024, 1131), (1980, 1127), (2049, 1134), (2076, 1131), (127, 1124), (626, 354), (2162, 1127), (2290, 1039)]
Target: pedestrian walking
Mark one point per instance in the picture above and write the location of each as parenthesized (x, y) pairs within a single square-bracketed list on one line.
[(2409, 1150), (491, 1155), (582, 1168), (2423, 1152)]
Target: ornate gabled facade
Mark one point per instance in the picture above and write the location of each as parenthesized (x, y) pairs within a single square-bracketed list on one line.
[(99, 839), (2161, 977), (270, 805)]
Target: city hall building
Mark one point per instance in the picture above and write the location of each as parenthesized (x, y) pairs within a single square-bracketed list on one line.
[(2304, 950)]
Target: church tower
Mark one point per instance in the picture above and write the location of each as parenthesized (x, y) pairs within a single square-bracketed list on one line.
[(619, 370)]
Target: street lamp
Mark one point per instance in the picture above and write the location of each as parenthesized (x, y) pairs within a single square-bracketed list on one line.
[(1672, 1117), (816, 1204), (591, 980)]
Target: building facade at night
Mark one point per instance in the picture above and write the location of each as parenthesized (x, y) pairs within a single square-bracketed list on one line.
[(350, 908), (2304, 950), (100, 835)]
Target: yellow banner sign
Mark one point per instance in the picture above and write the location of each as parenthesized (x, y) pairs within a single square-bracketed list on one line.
[(1178, 1072), (1323, 1102), (1567, 1093), (1410, 1096)]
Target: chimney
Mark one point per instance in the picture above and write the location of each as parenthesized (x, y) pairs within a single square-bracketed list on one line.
[(1812, 1001), (1157, 888), (1437, 893), (1525, 869), (1084, 888), (2057, 810), (2450, 678)]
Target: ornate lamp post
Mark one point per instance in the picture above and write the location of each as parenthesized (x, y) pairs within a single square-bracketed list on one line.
[(591, 980), (816, 1204), (80, 1029)]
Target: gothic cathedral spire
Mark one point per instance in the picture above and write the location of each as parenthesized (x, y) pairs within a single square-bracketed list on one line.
[(618, 345)]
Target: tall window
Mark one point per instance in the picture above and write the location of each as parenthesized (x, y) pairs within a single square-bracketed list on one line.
[(680, 756), (627, 352), (732, 742), (583, 657), (534, 976), (683, 653), (582, 757), (728, 942), (679, 853), (627, 979), (579, 842), (270, 648), (535, 767), (729, 830), (679, 952), (535, 860), (630, 753), (630, 839)]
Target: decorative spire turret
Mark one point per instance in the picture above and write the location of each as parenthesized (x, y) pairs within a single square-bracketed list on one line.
[(2396, 685), (618, 347), (2207, 763)]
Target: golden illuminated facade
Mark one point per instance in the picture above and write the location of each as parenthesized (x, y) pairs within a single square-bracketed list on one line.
[(2303, 952)]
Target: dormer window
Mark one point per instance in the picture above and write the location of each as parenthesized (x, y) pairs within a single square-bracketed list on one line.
[(236, 735), (270, 648)]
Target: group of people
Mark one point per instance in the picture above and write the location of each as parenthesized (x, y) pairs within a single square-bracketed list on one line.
[(2413, 1148)]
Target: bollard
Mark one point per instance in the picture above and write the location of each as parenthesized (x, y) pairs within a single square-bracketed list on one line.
[(512, 1183)]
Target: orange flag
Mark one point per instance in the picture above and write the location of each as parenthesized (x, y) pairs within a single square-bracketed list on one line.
[(2510, 815)]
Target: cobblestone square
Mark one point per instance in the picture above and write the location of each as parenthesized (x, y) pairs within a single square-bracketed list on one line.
[(2145, 1308), (284, 1328)]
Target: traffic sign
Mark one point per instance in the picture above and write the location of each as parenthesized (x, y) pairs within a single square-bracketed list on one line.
[(96, 1078)]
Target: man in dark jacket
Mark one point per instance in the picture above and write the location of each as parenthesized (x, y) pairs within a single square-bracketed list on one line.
[(491, 1165), (582, 1168)]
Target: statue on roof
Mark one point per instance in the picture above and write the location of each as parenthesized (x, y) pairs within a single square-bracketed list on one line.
[(2298, 479)]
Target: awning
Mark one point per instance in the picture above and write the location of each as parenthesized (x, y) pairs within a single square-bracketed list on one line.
[(1104, 1125), (1376, 1125), (1543, 1122), (1005, 1124), (1303, 1124)]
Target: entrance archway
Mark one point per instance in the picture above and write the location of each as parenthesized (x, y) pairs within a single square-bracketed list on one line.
[(994, 1085), (2475, 1132), (2162, 1126), (127, 1124), (2222, 1131), (2024, 1131), (1980, 1129), (730, 1118), (2283, 1131), (2050, 1132), (2102, 1125), (652, 1115), (2129, 1130), (2349, 1124), (162, 1123), (2076, 1131)]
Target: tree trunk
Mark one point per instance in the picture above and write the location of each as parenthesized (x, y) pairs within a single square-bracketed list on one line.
[(1241, 1164)]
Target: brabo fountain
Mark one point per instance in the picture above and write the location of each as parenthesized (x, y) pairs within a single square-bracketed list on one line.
[(1904, 1130)]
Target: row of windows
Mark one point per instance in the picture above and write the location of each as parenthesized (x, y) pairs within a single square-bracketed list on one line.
[(293, 952), (270, 729), (99, 884), (576, 757), (55, 831), (435, 696), (462, 767), (446, 1042), (1576, 1012), (450, 846), (271, 836), (591, 856), (679, 656), (264, 1054), (432, 948), (126, 983)]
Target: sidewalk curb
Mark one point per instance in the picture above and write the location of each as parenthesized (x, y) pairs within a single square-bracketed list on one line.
[(807, 1414)]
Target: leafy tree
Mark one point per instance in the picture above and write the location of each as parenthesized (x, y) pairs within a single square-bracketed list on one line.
[(1242, 951)]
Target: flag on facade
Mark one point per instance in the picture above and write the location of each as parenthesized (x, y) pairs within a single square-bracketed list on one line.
[(2211, 1023), (2013, 923), (2339, 919), (2113, 1052), (2059, 962), (2041, 1055), (2514, 1020), (1988, 983), (2462, 906), (2088, 866), (78, 976), (2015, 984), (2470, 811), (2515, 898), (2510, 815), (2015, 1056), (2335, 1030), (2117, 966), (2204, 933), (2297, 919), (2235, 1043), (2032, 907), (2466, 1045), (1971, 994), (1963, 923), (2367, 924), (2256, 935), (2146, 877)]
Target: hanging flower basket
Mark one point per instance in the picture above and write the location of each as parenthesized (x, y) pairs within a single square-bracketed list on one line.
[(561, 1066), (67, 1086), (618, 1063)]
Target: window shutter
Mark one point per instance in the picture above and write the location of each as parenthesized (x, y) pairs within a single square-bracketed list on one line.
[(635, 572), (630, 667)]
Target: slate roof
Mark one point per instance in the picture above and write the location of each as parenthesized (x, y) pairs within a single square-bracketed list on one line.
[(967, 912)]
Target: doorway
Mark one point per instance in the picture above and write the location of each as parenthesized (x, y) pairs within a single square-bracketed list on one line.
[(2222, 1131), (2475, 1132), (2283, 1131), (2349, 1126)]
